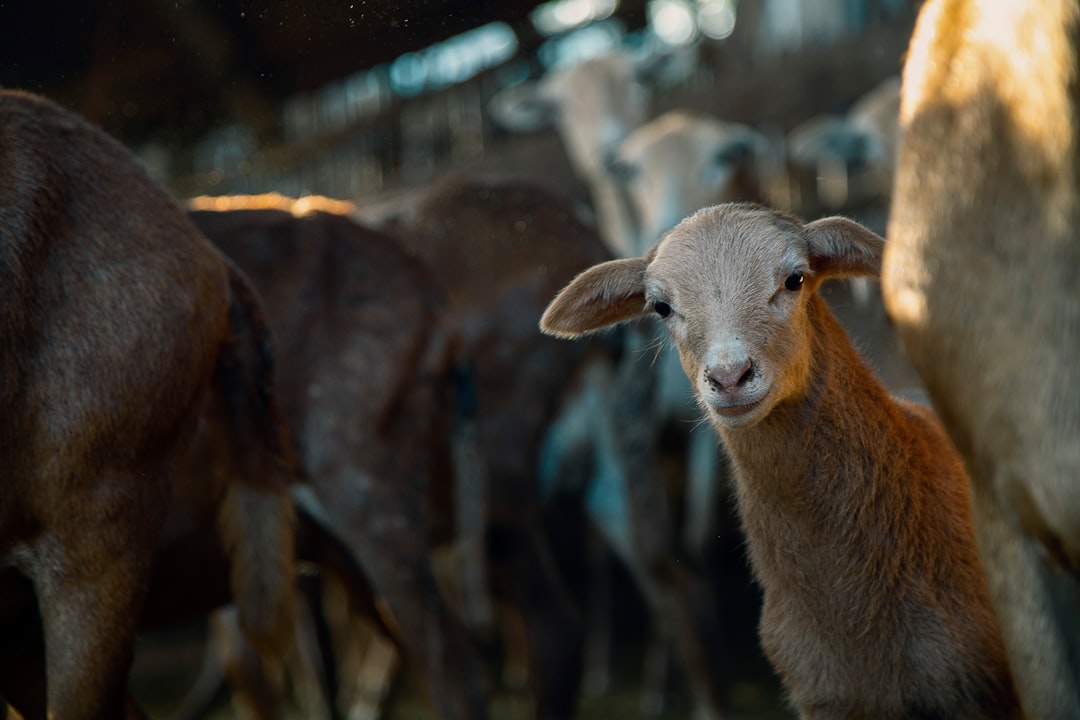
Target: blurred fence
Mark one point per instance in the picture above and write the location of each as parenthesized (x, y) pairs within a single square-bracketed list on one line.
[(784, 60)]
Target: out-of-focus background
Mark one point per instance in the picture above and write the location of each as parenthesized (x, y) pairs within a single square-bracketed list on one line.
[(356, 97), (368, 100)]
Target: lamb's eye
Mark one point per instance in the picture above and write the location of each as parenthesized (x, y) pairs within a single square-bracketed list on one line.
[(794, 282), (662, 308)]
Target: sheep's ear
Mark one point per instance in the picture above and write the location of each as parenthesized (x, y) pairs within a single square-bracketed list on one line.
[(604, 295), (843, 248)]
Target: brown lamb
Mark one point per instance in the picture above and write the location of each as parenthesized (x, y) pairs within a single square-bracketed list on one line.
[(854, 504)]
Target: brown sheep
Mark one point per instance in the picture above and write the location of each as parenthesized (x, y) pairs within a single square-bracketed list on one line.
[(854, 505), (122, 328), (365, 354), (978, 277), (492, 245), (501, 247)]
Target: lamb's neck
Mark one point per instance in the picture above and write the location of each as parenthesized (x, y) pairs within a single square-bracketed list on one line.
[(790, 442)]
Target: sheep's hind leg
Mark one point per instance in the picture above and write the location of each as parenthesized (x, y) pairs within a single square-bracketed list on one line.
[(90, 603), (1036, 601)]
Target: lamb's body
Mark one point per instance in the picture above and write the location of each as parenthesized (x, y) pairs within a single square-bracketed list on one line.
[(856, 514), (854, 504)]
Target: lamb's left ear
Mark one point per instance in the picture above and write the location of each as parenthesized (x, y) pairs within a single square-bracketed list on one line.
[(843, 248), (604, 295)]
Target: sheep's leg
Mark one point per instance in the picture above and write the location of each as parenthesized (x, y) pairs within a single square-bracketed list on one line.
[(1037, 603), (656, 672), (90, 596), (702, 490), (584, 423), (470, 509), (358, 658), (257, 686), (686, 624), (381, 522), (608, 504), (22, 658), (22, 669), (209, 683), (524, 574), (597, 672), (256, 681), (374, 678), (311, 667)]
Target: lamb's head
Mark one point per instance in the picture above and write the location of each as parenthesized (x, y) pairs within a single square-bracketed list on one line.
[(733, 285)]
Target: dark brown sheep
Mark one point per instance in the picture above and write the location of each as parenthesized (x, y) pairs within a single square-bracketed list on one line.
[(123, 330), (364, 357), (501, 247)]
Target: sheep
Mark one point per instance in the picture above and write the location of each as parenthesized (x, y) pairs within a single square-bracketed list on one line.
[(366, 358), (848, 160), (658, 172), (490, 241), (502, 246), (978, 279), (681, 161), (125, 331), (854, 504), (593, 104), (670, 167)]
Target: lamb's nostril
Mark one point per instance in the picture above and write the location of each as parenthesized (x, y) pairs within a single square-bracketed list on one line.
[(731, 376)]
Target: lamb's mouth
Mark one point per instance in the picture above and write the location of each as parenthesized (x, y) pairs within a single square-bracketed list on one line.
[(734, 411)]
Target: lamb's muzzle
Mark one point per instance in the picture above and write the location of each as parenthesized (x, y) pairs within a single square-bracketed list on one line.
[(729, 378)]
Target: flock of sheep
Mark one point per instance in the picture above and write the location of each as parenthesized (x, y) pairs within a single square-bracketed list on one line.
[(202, 404)]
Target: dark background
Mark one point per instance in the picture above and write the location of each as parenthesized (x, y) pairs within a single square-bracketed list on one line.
[(141, 67)]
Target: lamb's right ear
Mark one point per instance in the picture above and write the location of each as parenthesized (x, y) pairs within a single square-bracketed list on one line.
[(604, 295), (843, 248)]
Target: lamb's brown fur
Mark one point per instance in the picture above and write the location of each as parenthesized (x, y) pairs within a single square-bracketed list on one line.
[(120, 322), (980, 280), (854, 505)]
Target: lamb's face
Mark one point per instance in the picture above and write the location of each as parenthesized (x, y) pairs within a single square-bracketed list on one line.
[(731, 284)]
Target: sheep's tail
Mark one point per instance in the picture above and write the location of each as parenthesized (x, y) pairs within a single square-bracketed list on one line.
[(256, 517)]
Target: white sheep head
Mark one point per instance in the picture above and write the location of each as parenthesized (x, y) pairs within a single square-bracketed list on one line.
[(593, 104), (734, 285), (682, 161)]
